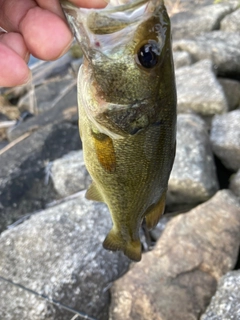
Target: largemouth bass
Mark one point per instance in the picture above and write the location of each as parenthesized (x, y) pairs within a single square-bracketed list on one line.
[(127, 112)]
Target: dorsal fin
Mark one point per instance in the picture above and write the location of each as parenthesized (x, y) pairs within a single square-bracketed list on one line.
[(93, 193)]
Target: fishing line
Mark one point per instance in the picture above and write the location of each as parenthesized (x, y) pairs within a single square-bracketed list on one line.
[(52, 301)]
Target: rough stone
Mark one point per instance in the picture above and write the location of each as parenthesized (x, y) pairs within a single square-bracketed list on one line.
[(22, 177), (193, 177), (235, 183), (178, 277), (232, 92), (64, 111), (181, 59), (225, 138), (48, 95), (199, 91), (231, 23), (225, 304), (192, 23), (69, 174), (219, 46), (58, 253)]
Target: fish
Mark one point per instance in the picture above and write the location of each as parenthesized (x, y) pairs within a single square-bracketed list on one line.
[(127, 112)]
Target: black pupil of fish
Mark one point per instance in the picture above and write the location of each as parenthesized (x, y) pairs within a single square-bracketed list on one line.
[(147, 57)]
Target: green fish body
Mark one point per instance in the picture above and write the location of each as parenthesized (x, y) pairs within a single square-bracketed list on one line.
[(127, 113)]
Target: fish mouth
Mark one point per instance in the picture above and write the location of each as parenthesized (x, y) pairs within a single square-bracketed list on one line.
[(102, 29)]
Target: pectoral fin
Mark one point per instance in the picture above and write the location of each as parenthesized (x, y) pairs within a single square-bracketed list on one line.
[(114, 242), (153, 216), (93, 193)]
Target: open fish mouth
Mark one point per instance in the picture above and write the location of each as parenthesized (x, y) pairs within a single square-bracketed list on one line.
[(104, 29), (106, 38)]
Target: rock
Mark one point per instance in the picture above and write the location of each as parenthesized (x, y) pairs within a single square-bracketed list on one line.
[(225, 138), (225, 303), (69, 174), (232, 92), (22, 179), (178, 277), (231, 23), (192, 23), (47, 95), (64, 111), (58, 253), (193, 177), (219, 46), (235, 183), (181, 59), (199, 91)]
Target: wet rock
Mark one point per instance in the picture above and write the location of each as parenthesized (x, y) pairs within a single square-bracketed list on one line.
[(181, 59), (232, 92), (199, 91), (58, 253), (192, 23), (69, 174), (235, 183), (225, 138), (193, 177), (64, 111), (178, 277), (231, 23), (47, 95), (219, 46), (22, 178), (225, 303)]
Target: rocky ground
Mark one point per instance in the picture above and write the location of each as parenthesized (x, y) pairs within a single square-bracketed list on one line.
[(52, 264)]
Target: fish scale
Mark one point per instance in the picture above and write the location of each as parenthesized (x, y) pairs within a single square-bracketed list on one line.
[(127, 112)]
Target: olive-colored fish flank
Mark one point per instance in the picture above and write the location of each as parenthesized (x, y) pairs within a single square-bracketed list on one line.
[(127, 112)]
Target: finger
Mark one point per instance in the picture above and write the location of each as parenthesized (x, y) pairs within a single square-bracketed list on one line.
[(15, 42), (46, 35), (10, 76), (13, 11), (90, 4), (51, 5)]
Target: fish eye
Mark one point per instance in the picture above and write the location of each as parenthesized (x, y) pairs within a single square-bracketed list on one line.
[(147, 57)]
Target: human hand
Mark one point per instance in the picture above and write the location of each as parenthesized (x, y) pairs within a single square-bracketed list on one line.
[(33, 26)]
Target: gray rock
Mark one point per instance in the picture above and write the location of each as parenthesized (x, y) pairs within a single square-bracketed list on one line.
[(232, 92), (192, 23), (235, 183), (181, 59), (225, 138), (225, 304), (193, 177), (22, 298), (47, 95), (64, 111), (69, 174), (219, 46), (178, 277), (22, 178), (58, 253), (231, 23), (199, 91)]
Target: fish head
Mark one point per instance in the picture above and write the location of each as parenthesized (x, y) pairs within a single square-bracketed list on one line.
[(126, 46)]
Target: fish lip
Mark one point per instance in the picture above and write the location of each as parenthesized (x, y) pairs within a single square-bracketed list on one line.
[(87, 29)]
